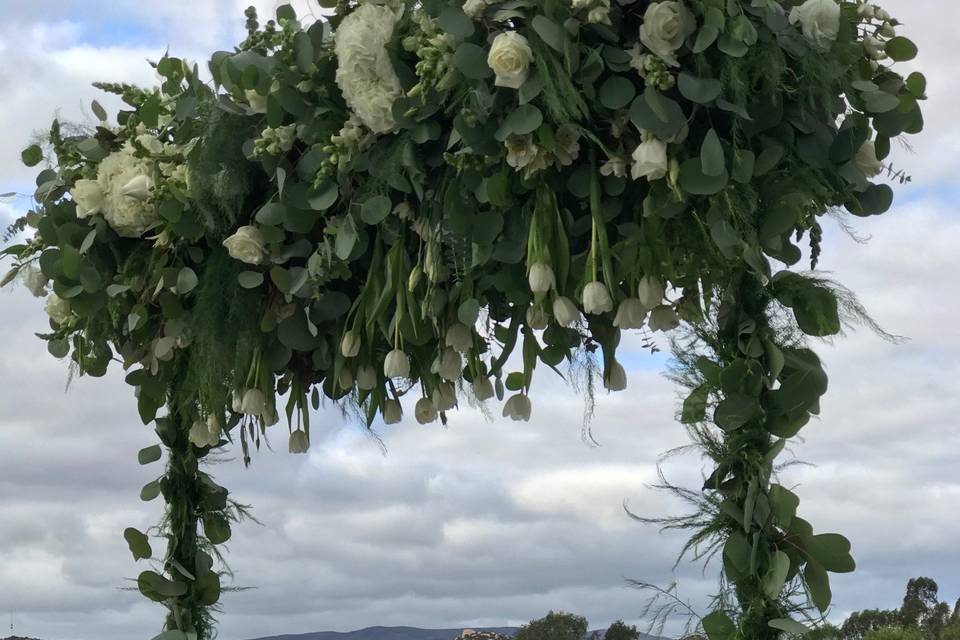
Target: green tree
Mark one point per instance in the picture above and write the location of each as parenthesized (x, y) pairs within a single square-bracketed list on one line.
[(894, 633), (620, 631), (825, 631), (951, 631), (554, 626), (861, 623), (919, 601)]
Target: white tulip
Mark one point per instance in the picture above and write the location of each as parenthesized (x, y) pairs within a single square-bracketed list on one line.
[(631, 314), (137, 187), (199, 435), (345, 378), (236, 402), (58, 309), (650, 292), (617, 379), (89, 197), (510, 57), (541, 278), (366, 378), (517, 407), (483, 388), (536, 318), (448, 364), (254, 402), (650, 159), (596, 298), (819, 20), (269, 416), (459, 337), (866, 160), (666, 25), (565, 311), (392, 411), (256, 101), (396, 364), (664, 318), (247, 245), (424, 411), (299, 442), (213, 429), (350, 344), (444, 397)]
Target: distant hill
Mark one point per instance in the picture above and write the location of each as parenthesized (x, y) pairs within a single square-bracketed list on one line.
[(407, 633)]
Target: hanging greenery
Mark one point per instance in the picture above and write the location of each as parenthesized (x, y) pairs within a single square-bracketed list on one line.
[(432, 200)]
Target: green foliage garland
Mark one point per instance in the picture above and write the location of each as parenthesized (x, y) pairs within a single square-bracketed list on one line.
[(429, 198)]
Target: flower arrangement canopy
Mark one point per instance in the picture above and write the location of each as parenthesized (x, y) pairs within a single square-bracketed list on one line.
[(395, 199)]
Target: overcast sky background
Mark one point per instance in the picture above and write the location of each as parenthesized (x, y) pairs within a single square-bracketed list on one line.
[(485, 522)]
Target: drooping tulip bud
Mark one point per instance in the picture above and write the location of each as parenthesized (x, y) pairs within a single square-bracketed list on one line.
[(299, 442), (366, 377), (350, 344), (444, 397), (664, 318), (596, 298), (460, 337), (517, 407), (537, 318), (541, 278), (345, 379), (396, 364), (199, 435), (424, 411), (392, 411), (448, 365), (650, 292), (565, 311), (253, 403), (482, 388), (617, 378), (631, 314)]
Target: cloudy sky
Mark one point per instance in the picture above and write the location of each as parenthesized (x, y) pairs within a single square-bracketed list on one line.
[(485, 522)]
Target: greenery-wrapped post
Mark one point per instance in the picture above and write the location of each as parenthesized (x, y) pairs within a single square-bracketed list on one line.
[(379, 208)]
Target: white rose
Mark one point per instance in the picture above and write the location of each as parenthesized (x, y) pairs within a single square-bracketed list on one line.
[(392, 411), (138, 187), (247, 245), (424, 411), (565, 311), (650, 160), (819, 20), (666, 25), (34, 280), (617, 379), (541, 278), (58, 309), (256, 101), (299, 442), (517, 407), (866, 160), (510, 57), (596, 298), (474, 8), (89, 197), (125, 181), (630, 315), (483, 388), (396, 364)]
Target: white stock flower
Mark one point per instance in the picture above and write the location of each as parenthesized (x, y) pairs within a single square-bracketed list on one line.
[(666, 25), (866, 160), (517, 407), (392, 411), (819, 21), (522, 153), (125, 182), (474, 8), (650, 291), (366, 378), (350, 344), (596, 298), (650, 159), (616, 167), (482, 388), (460, 337), (247, 245), (631, 314), (89, 197), (34, 280), (565, 312), (256, 101), (299, 442), (254, 403), (664, 318), (424, 411), (510, 57), (365, 73), (617, 378), (599, 15), (567, 140), (58, 309), (541, 278), (396, 364)]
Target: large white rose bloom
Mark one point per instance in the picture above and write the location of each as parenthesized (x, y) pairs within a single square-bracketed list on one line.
[(819, 20), (510, 57), (89, 197), (666, 25), (365, 74), (58, 309), (247, 245), (866, 160), (125, 182)]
